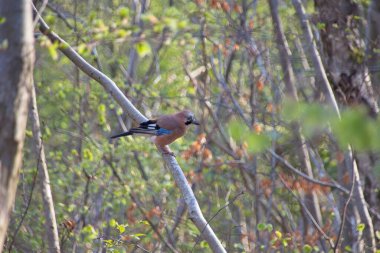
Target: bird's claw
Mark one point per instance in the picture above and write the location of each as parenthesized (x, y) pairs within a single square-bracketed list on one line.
[(168, 153)]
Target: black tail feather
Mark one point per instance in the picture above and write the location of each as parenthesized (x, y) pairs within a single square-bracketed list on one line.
[(122, 134)]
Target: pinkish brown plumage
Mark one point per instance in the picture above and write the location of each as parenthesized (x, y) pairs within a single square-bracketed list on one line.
[(166, 129)]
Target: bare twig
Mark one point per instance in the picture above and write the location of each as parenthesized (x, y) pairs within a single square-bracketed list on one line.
[(216, 214), (340, 233)]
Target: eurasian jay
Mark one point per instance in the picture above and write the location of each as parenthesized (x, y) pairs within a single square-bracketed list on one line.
[(166, 129)]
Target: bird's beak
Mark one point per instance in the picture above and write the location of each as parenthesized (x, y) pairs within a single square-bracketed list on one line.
[(195, 122)]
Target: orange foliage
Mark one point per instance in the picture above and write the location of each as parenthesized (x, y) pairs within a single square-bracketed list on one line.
[(340, 157), (301, 184), (69, 224), (241, 150), (154, 212), (225, 6), (215, 4), (346, 178), (257, 128), (251, 24), (193, 176), (197, 149), (216, 48), (126, 238), (269, 107), (266, 185), (153, 20), (260, 85), (237, 8), (130, 213)]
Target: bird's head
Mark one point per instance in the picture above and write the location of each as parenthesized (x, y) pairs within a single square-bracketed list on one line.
[(188, 117)]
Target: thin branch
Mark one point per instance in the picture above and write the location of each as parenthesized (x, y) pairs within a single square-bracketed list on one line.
[(310, 179), (216, 214), (338, 239)]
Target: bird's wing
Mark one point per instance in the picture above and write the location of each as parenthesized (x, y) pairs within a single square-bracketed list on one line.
[(170, 122), (149, 127)]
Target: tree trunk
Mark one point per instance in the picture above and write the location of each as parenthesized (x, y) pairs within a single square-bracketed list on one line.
[(43, 176), (16, 71)]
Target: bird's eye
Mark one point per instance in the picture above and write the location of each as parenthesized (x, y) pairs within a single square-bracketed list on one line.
[(189, 120)]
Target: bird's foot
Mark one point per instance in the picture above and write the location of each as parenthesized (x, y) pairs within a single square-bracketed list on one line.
[(168, 153)]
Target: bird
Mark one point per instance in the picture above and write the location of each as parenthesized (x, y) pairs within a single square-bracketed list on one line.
[(165, 129)]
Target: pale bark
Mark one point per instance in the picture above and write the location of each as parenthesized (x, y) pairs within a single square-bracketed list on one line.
[(194, 210), (373, 44), (16, 70), (43, 176)]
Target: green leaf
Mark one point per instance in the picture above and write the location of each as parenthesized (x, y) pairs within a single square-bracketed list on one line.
[(121, 228), (360, 227), (347, 249), (377, 233), (90, 232), (307, 248), (113, 223), (144, 222), (109, 243), (139, 235), (143, 48), (121, 33), (2, 20), (238, 130), (87, 154), (357, 129), (321, 26), (52, 49), (102, 114), (261, 226), (50, 19), (83, 49), (258, 142), (123, 12)]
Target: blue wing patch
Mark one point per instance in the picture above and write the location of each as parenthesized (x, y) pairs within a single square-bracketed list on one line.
[(163, 131)]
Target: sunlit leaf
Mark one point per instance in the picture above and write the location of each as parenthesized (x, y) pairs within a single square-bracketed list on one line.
[(113, 223), (143, 48), (123, 12), (258, 142), (360, 227), (307, 248), (261, 226)]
